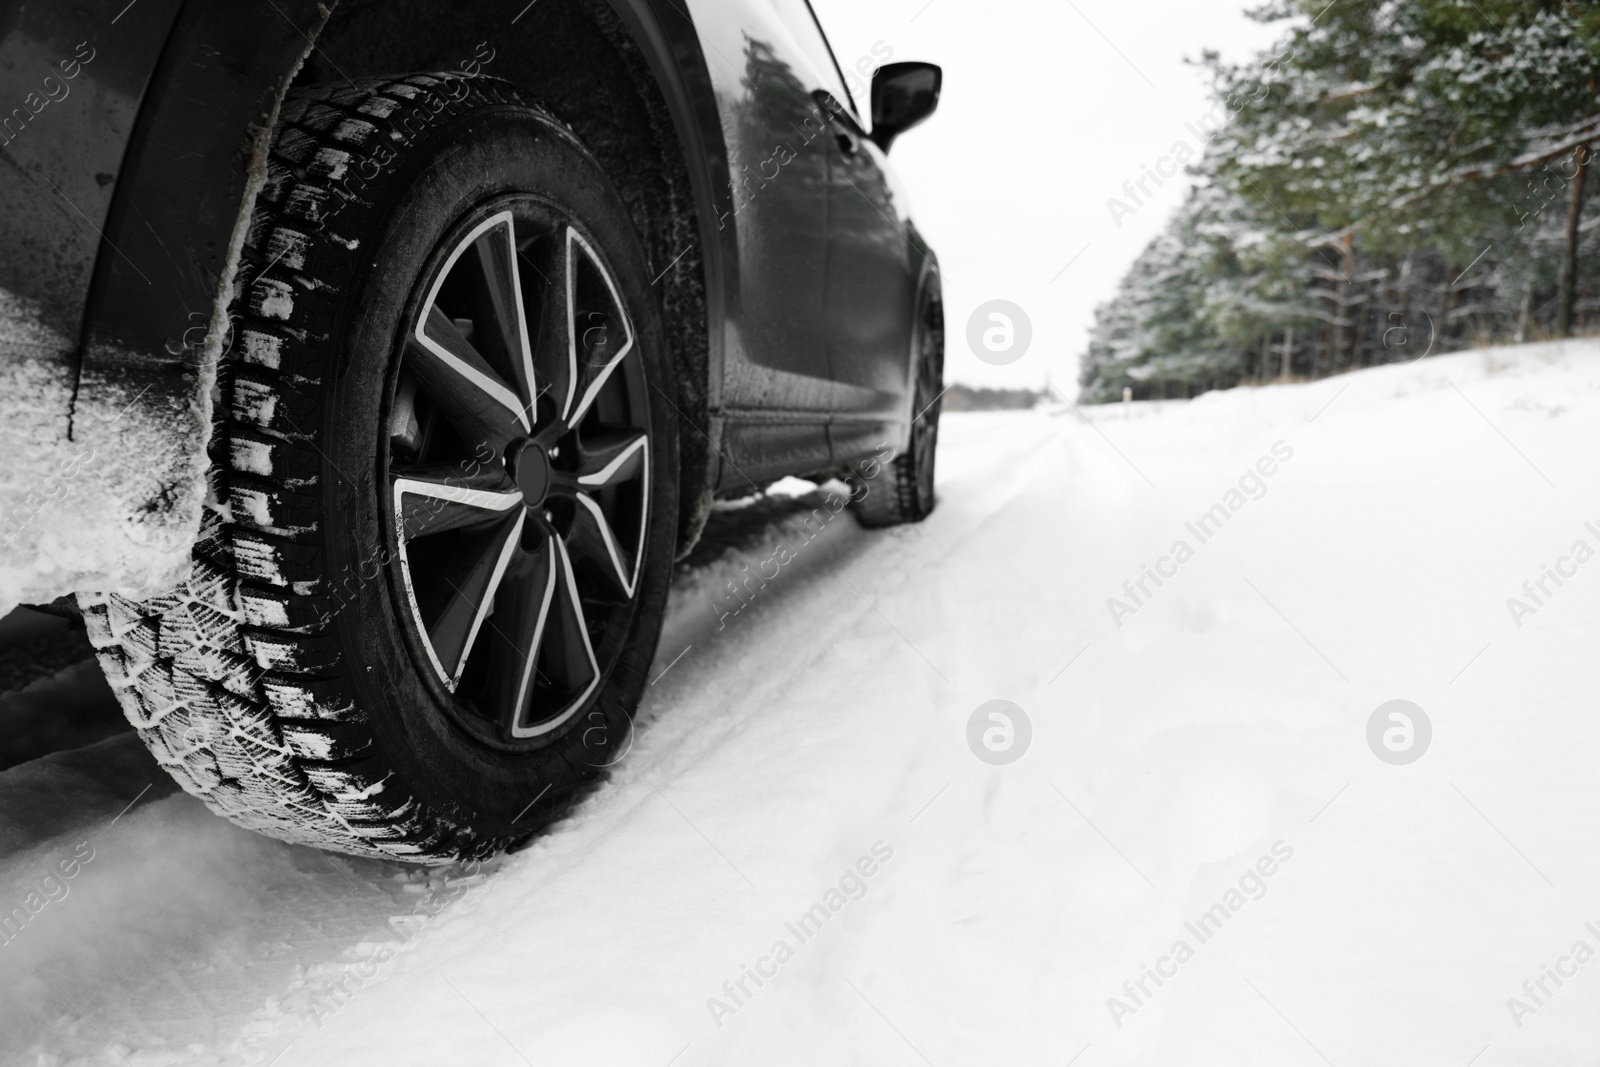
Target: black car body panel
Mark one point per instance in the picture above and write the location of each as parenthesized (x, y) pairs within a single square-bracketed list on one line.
[(184, 176), (783, 242), (71, 85)]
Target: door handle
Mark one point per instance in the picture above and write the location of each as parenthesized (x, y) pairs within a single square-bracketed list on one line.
[(844, 134)]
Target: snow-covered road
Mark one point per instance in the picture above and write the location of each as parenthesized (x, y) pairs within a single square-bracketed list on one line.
[(1197, 860)]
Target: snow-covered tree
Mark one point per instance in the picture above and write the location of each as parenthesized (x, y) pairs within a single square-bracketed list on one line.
[(1389, 166)]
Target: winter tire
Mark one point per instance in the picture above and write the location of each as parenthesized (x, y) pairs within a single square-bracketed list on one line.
[(428, 589), (903, 491)]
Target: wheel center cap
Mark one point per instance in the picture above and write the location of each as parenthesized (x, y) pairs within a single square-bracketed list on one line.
[(531, 469)]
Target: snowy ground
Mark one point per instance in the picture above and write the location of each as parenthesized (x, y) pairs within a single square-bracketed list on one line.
[(1217, 734)]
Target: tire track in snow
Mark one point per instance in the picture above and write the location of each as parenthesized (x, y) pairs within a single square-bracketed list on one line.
[(263, 919)]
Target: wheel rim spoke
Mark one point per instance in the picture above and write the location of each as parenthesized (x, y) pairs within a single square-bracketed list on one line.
[(494, 300), (614, 478), (612, 457), (554, 360), (521, 611), (601, 334), (566, 660), (457, 376), (594, 541), (437, 498), (471, 582), (484, 380)]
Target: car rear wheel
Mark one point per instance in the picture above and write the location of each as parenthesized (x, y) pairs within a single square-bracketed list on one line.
[(903, 491), (431, 580)]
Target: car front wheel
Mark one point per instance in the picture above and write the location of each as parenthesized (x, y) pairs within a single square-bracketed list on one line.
[(431, 580)]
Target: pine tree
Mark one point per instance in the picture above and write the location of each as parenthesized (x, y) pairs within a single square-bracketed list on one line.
[(1391, 168)]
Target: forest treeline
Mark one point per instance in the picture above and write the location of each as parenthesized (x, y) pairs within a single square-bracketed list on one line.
[(1394, 177)]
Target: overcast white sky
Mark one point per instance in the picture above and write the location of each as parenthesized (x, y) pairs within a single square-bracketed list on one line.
[(1049, 106)]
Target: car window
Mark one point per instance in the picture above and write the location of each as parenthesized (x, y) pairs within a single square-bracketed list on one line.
[(799, 19)]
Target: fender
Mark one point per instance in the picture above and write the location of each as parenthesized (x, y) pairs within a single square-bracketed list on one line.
[(929, 277), (183, 96), (154, 323), (666, 35), (192, 168)]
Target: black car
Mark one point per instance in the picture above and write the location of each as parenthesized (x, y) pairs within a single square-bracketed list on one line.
[(413, 342)]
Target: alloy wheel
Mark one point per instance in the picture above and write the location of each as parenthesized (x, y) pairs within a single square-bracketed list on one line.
[(518, 472)]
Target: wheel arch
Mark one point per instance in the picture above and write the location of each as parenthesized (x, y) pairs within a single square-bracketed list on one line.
[(138, 415), (629, 78), (155, 322), (929, 279)]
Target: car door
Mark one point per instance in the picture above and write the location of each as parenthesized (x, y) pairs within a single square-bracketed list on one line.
[(871, 273), (871, 290), (776, 387)]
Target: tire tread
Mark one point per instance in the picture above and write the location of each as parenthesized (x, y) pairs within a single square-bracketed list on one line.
[(232, 679)]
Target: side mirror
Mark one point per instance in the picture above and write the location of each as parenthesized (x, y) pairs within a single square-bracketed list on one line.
[(903, 94)]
